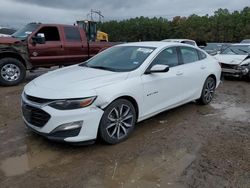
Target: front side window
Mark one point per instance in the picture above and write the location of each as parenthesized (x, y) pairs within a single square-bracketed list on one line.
[(167, 57), (72, 34), (189, 55), (120, 58), (51, 33)]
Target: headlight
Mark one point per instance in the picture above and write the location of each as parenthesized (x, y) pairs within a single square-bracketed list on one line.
[(71, 104)]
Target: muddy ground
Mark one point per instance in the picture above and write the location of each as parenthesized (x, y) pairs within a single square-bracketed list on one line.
[(190, 146)]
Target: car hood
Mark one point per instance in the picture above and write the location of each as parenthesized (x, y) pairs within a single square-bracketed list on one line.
[(230, 59), (72, 82), (9, 40)]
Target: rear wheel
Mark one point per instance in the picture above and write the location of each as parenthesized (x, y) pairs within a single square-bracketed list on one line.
[(12, 71), (118, 121), (208, 90)]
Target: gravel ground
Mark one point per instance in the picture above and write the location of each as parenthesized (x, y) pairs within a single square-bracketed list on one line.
[(190, 146)]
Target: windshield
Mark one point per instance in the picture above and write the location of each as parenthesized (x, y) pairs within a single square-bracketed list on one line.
[(120, 58), (237, 50), (24, 32)]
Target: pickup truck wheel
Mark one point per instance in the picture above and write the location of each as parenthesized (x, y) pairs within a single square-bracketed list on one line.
[(12, 71)]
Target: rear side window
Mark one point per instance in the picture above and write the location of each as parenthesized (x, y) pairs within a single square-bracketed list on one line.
[(167, 57), (72, 34), (50, 33), (202, 55), (189, 55)]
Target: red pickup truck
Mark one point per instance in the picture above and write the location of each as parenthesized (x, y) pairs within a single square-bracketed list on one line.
[(43, 45)]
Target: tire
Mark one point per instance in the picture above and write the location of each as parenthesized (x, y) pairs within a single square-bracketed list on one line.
[(208, 90), (115, 126), (12, 71)]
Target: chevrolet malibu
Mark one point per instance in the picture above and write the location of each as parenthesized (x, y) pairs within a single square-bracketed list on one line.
[(106, 95)]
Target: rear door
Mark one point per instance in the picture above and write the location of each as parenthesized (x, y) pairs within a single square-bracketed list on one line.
[(50, 53), (194, 71), (75, 45)]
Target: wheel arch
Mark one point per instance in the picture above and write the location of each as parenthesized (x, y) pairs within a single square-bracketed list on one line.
[(13, 55), (130, 99)]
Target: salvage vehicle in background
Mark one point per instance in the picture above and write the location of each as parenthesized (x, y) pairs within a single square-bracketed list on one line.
[(245, 41), (235, 60), (43, 45), (184, 41), (106, 95)]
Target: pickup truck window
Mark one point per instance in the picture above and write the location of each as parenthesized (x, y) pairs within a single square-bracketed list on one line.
[(50, 33), (72, 34)]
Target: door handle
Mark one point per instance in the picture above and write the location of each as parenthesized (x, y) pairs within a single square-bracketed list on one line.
[(179, 73), (203, 67)]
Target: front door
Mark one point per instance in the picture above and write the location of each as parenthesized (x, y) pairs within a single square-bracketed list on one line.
[(50, 53)]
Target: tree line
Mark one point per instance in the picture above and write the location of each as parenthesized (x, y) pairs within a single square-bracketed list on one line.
[(222, 26)]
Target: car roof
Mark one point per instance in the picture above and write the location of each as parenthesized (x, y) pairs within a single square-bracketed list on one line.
[(154, 44), (178, 40), (241, 44)]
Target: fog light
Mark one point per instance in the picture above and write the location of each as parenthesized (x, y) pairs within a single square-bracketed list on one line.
[(69, 126)]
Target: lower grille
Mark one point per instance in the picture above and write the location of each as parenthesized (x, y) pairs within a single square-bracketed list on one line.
[(227, 66), (35, 116)]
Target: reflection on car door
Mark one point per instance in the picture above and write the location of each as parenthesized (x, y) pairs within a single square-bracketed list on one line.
[(162, 90)]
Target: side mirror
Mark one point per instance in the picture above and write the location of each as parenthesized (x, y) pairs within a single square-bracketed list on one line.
[(158, 69), (39, 39)]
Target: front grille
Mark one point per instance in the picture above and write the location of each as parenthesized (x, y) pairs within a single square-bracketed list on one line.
[(227, 66), (38, 100), (35, 116)]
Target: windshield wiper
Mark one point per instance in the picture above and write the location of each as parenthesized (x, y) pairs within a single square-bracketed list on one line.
[(243, 51)]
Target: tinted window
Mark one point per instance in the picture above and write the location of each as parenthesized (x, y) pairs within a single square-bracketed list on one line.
[(120, 58), (72, 34), (167, 57), (50, 33), (189, 55), (202, 55)]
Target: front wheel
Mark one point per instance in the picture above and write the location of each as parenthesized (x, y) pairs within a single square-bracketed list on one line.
[(208, 90), (118, 121), (12, 71)]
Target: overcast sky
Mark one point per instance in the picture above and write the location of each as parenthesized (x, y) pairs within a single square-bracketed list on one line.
[(16, 13)]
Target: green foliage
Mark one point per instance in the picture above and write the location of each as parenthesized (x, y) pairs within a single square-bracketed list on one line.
[(223, 26)]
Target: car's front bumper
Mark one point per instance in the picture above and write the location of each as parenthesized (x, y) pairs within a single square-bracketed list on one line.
[(235, 71), (89, 117)]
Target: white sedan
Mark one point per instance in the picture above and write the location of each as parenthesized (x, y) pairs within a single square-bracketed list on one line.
[(122, 85)]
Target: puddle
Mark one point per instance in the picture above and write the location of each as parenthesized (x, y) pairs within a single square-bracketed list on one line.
[(18, 165), (232, 112)]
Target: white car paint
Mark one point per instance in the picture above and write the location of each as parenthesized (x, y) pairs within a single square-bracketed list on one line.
[(185, 41), (232, 59), (153, 93)]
